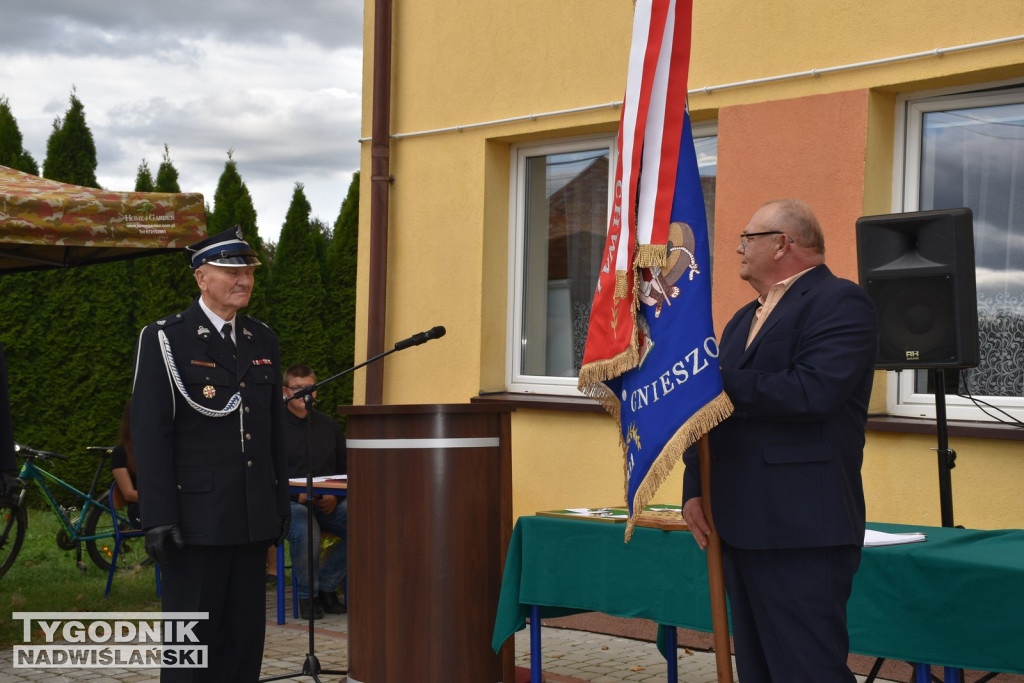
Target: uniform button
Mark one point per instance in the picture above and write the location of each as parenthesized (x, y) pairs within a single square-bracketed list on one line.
[(248, 437), (179, 487), (241, 385), (248, 464), (246, 409)]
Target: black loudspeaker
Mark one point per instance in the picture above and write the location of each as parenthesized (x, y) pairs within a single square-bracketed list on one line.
[(918, 268)]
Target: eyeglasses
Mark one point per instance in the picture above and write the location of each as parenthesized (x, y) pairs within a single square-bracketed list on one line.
[(745, 237)]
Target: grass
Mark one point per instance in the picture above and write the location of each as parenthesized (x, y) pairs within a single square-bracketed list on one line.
[(45, 578)]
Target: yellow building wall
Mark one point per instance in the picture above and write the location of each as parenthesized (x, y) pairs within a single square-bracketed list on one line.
[(466, 75), (901, 481)]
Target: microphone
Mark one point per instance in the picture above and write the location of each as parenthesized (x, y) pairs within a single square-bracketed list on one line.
[(301, 394), (421, 338)]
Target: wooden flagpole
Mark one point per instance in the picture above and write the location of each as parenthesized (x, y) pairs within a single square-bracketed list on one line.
[(716, 580)]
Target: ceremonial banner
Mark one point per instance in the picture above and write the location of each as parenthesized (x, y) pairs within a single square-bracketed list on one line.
[(651, 356)]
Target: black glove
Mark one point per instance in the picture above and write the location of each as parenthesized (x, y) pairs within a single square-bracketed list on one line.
[(160, 540), (9, 484), (282, 534)]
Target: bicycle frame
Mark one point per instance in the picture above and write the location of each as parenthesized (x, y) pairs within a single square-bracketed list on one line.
[(32, 474), (89, 523)]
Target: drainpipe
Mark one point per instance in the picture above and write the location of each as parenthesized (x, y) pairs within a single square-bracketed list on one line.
[(380, 183)]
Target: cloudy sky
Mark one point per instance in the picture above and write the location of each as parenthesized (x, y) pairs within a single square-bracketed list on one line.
[(277, 81)]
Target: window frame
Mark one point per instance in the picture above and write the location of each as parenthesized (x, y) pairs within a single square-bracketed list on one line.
[(515, 380), (902, 397)]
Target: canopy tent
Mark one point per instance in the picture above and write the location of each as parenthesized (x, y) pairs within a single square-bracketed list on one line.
[(46, 224)]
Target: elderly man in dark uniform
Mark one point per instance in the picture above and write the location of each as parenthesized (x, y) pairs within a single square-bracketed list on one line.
[(206, 417)]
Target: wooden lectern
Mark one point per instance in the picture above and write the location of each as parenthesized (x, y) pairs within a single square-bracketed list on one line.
[(430, 517)]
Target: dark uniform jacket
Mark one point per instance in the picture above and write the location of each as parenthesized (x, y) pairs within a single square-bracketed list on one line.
[(220, 479), (785, 467)]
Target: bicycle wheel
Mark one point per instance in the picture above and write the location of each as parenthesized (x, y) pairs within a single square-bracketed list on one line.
[(13, 522), (98, 523)]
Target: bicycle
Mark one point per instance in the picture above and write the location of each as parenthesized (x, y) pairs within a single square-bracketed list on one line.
[(90, 523)]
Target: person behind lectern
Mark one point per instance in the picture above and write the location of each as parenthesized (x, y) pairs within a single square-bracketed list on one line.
[(316, 446)]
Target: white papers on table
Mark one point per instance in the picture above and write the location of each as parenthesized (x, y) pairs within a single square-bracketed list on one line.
[(296, 481), (874, 538), (598, 512)]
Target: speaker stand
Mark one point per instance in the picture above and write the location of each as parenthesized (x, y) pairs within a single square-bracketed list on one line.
[(947, 461), (947, 456)]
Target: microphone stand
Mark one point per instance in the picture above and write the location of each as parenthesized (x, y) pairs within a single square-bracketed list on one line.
[(311, 665)]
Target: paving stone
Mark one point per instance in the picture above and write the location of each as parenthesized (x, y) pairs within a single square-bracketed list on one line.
[(576, 655)]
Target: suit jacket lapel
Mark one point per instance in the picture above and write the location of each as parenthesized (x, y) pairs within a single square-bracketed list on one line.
[(787, 304), (735, 338)]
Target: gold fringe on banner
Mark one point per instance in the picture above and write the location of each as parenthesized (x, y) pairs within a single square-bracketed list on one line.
[(651, 255), (603, 395), (699, 424), (622, 284), (593, 373)]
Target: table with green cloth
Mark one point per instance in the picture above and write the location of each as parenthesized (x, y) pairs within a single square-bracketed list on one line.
[(955, 600)]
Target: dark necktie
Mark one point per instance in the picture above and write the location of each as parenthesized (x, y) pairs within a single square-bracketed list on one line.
[(226, 330)]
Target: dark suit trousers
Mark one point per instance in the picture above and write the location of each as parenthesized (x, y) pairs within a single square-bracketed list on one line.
[(789, 612), (229, 583)]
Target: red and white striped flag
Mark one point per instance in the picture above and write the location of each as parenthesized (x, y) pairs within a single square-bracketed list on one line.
[(651, 356)]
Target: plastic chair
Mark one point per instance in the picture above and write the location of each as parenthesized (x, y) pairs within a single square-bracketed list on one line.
[(295, 584), (119, 536)]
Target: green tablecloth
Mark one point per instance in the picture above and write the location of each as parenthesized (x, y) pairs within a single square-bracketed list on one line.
[(955, 600)]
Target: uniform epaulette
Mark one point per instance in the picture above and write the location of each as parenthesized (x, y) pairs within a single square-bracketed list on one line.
[(257, 320), (169, 320)]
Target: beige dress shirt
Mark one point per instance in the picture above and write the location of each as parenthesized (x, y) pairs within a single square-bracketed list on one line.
[(769, 302)]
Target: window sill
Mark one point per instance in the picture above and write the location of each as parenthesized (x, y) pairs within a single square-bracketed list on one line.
[(575, 404), (965, 428), (876, 423)]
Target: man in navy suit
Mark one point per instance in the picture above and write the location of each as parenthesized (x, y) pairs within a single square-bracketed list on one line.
[(786, 491)]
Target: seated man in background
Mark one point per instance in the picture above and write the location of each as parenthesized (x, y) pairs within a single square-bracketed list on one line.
[(304, 427)]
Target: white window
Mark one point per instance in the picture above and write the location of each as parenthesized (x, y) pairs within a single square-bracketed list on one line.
[(967, 149), (559, 203)]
